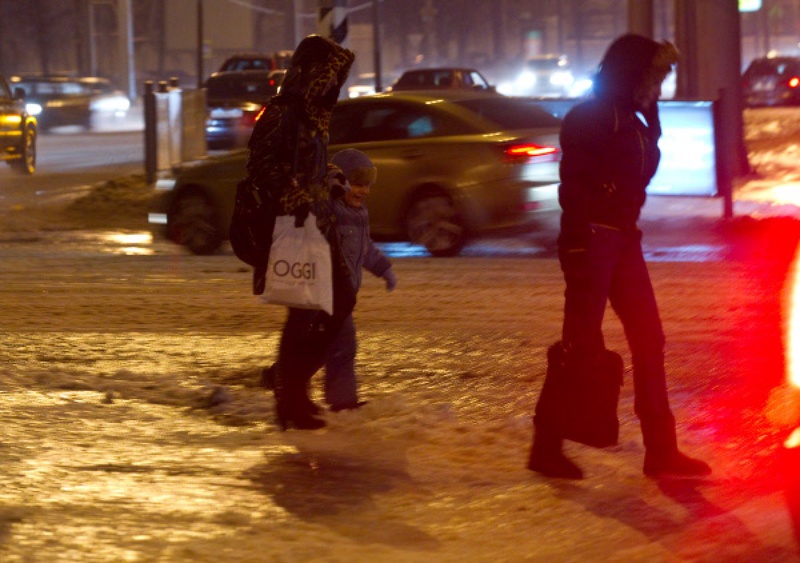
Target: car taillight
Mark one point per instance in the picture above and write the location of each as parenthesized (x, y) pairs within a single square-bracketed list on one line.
[(522, 152), (794, 82)]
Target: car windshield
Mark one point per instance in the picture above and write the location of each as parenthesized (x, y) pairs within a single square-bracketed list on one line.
[(770, 67), (510, 113), (248, 64), (545, 65)]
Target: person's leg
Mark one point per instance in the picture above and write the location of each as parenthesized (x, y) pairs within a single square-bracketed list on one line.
[(588, 276), (634, 301), (341, 387), (301, 354)]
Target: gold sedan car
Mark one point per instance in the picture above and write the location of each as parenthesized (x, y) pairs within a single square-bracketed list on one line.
[(451, 166)]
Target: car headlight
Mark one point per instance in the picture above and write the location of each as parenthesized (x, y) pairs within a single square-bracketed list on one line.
[(561, 78), (33, 109), (111, 104), (526, 80)]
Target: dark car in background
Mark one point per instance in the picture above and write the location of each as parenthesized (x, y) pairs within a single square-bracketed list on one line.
[(451, 166), (772, 81), (18, 130), (59, 101), (257, 61), (445, 78), (233, 100)]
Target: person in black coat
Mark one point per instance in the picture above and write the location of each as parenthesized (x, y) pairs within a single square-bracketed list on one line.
[(610, 154)]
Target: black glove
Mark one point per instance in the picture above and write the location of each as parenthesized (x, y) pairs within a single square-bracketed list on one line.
[(338, 184), (300, 215)]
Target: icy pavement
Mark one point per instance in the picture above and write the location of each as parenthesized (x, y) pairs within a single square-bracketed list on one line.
[(133, 428)]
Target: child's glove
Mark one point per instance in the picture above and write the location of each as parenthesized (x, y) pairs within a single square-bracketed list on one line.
[(390, 278), (337, 183), (300, 214)]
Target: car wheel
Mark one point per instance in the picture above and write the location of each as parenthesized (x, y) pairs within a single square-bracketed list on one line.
[(27, 161), (434, 222), (192, 222)]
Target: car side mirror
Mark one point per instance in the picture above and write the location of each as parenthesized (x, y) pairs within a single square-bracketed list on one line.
[(19, 93)]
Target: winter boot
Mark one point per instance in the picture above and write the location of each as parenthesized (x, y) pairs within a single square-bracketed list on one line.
[(548, 459), (662, 457), (304, 402), (268, 377), (293, 408)]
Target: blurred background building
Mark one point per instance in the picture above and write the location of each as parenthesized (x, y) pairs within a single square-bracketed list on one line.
[(167, 37)]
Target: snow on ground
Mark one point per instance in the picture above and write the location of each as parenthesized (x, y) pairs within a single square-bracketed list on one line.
[(133, 427)]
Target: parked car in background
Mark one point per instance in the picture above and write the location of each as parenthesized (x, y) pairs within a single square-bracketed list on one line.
[(546, 76), (451, 166), (364, 84), (441, 79), (233, 100), (18, 130), (772, 81), (58, 101)]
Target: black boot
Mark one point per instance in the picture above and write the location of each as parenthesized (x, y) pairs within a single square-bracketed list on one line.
[(305, 404), (293, 408), (662, 457), (268, 377), (548, 459)]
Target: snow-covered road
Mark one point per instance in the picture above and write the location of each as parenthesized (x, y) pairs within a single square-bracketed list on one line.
[(132, 427)]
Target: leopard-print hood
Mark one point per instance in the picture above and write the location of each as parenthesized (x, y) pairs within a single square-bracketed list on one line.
[(315, 61)]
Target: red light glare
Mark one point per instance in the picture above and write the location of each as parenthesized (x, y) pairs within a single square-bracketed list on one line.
[(793, 324), (794, 82), (530, 150)]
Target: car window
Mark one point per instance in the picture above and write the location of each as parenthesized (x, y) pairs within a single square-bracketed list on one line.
[(771, 67), (389, 122), (248, 64), (547, 65), (511, 113), (475, 79)]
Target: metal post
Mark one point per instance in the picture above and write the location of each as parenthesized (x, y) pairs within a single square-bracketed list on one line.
[(640, 17), (376, 44), (332, 20), (200, 71), (125, 31), (150, 139)]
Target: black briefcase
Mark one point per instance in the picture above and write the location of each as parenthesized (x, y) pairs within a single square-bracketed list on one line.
[(587, 391)]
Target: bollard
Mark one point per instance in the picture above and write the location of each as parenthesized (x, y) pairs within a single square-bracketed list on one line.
[(150, 137)]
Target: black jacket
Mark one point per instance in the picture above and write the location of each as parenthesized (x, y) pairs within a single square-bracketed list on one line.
[(609, 158), (610, 150)]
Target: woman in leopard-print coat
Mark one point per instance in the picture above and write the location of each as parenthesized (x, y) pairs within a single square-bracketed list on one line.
[(289, 163)]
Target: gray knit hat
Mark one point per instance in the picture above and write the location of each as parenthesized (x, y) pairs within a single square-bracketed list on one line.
[(357, 167)]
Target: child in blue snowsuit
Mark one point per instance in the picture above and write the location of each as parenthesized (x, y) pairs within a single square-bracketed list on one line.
[(360, 253)]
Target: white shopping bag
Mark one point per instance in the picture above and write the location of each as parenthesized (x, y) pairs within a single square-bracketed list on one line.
[(299, 268)]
